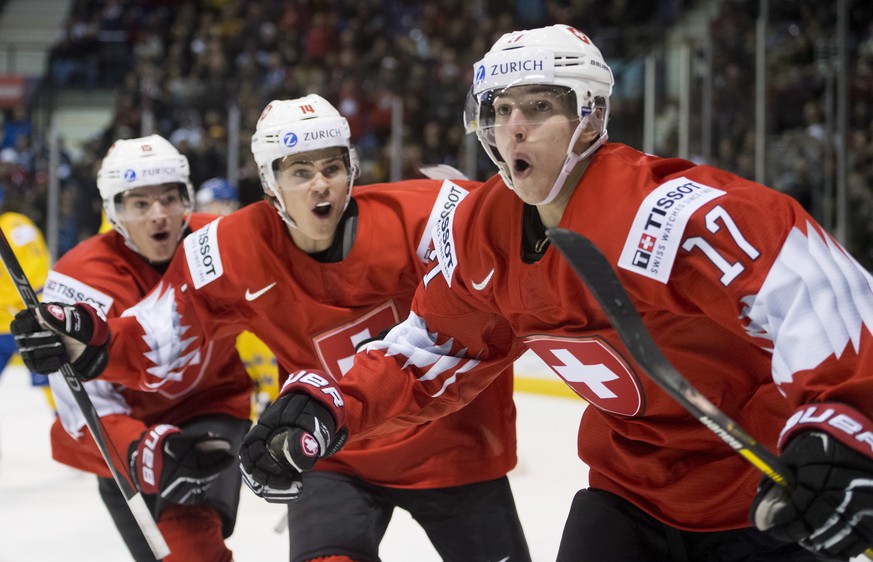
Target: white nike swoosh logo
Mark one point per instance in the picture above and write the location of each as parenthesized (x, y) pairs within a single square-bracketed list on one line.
[(250, 296), (482, 284)]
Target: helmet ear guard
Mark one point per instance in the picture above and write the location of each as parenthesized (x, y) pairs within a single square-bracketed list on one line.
[(557, 55), (141, 162), (288, 127)]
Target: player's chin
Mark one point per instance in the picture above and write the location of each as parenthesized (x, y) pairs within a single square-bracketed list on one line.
[(159, 249), (532, 193)]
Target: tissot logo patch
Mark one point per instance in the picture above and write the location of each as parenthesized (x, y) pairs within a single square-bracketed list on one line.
[(654, 238), (336, 347), (63, 288), (444, 246), (450, 195), (594, 370), (204, 259)]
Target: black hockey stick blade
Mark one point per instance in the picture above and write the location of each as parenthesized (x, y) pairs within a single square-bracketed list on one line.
[(135, 502), (597, 274)]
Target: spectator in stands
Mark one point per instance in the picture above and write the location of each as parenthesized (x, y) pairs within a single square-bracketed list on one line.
[(17, 123)]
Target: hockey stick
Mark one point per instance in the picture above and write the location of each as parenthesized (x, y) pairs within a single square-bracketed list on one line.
[(597, 274), (135, 502), (282, 524)]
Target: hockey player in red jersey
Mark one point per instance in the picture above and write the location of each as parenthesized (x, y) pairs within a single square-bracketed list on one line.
[(178, 436), (313, 271), (754, 302)]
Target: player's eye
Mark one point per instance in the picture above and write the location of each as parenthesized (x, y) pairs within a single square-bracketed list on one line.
[(331, 170), (503, 109), (170, 200), (542, 106)]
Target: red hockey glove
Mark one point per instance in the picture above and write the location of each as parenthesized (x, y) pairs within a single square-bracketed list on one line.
[(830, 509), (52, 334), (299, 427), (177, 466)]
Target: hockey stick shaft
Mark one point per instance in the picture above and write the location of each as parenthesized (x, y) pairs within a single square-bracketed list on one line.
[(135, 501)]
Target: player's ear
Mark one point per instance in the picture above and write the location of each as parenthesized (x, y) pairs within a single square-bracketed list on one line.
[(588, 136), (271, 198)]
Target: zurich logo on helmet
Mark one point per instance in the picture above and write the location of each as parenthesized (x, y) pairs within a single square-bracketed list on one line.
[(480, 73), (130, 175), (289, 140)]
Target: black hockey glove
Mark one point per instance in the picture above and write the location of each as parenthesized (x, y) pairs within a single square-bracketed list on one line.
[(177, 466), (52, 334), (830, 509), (299, 427)]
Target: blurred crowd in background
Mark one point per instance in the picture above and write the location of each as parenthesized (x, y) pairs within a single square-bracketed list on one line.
[(184, 63)]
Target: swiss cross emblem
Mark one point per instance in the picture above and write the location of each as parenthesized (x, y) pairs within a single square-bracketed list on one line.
[(647, 242), (582, 37), (594, 370), (336, 347)]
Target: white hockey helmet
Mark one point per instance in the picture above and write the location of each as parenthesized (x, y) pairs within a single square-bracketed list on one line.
[(557, 55), (141, 162), (304, 124)]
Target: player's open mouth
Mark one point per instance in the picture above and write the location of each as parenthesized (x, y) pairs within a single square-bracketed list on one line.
[(322, 209), (161, 236), (520, 166)]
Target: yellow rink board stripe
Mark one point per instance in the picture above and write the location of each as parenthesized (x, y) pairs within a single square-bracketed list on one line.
[(546, 387)]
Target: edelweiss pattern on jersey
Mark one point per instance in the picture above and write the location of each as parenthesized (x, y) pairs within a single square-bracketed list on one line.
[(786, 321), (164, 333), (412, 341)]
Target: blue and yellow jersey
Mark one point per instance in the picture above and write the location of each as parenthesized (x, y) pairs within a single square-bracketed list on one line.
[(261, 365), (29, 247)]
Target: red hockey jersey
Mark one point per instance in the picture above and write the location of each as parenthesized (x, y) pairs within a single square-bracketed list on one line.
[(103, 272), (760, 315), (243, 271)]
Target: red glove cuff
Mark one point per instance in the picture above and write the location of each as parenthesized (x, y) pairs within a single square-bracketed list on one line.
[(842, 422), (99, 327), (321, 387), (150, 457)]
